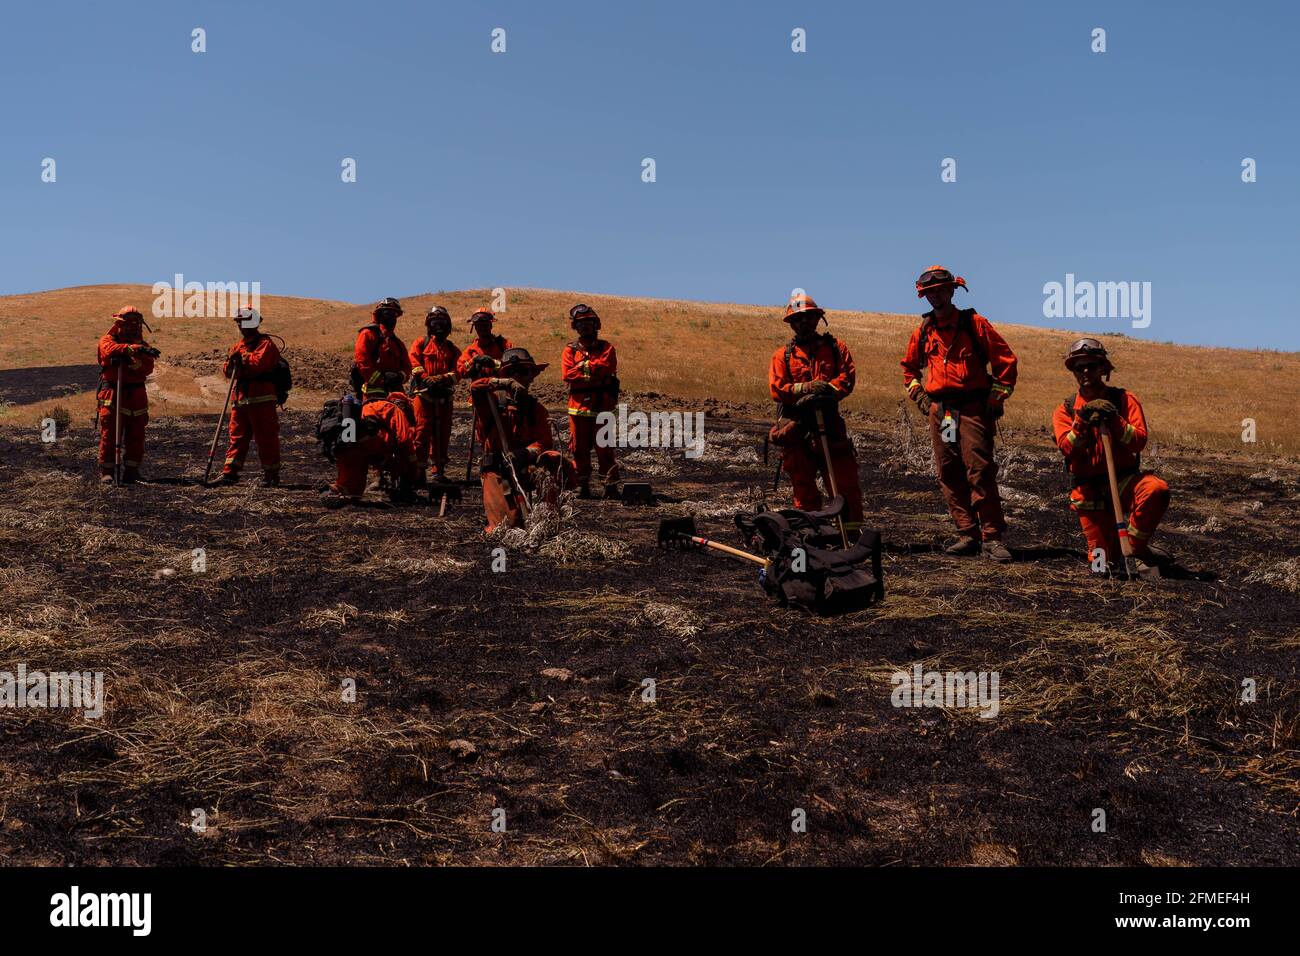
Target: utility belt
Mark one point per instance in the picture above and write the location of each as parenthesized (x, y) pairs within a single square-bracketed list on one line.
[(1103, 480), (111, 384), (954, 401)]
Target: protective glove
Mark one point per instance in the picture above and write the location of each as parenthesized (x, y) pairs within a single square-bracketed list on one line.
[(1098, 410), (523, 458), (923, 400), (817, 387), (994, 407), (550, 460)]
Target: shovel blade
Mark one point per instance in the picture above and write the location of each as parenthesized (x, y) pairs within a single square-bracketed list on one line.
[(674, 531)]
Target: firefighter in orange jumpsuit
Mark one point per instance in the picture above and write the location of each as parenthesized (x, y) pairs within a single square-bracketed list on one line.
[(253, 414), (815, 372), (970, 372), (124, 356), (379, 351), (433, 379), (1078, 424), (485, 344), (589, 367), (384, 439), (529, 448)]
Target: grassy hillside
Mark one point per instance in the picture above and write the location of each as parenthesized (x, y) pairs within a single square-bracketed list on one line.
[(688, 351)]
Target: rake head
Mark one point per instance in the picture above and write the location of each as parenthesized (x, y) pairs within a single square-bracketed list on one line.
[(677, 532)]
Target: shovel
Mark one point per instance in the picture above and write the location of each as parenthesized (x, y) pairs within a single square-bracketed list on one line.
[(679, 532), (1121, 523)]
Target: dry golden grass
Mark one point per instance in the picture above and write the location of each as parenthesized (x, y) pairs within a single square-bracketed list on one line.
[(695, 352)]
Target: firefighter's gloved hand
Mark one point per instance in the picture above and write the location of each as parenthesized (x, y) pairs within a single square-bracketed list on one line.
[(923, 400), (550, 460), (819, 388), (523, 458), (994, 407), (1099, 410)]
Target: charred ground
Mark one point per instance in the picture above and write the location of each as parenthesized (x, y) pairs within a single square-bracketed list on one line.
[(522, 690)]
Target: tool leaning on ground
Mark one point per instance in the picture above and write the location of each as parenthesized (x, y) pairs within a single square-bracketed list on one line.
[(801, 565), (830, 470), (1121, 522), (504, 436), (216, 436), (117, 430)]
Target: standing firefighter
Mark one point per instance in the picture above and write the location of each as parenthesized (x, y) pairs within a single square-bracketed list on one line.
[(379, 352), (253, 363), (383, 438), (513, 462), (485, 343), (1078, 424), (125, 362), (808, 378), (589, 367), (433, 380), (970, 372)]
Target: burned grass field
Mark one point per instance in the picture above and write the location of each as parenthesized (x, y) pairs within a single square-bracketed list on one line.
[(523, 690)]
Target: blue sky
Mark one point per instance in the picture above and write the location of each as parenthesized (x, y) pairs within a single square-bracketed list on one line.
[(774, 169)]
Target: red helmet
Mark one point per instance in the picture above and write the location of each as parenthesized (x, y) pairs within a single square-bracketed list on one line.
[(583, 313), (127, 310), (935, 277), (802, 302)]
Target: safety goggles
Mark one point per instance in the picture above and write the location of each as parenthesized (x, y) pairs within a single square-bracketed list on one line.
[(581, 311), (935, 277)]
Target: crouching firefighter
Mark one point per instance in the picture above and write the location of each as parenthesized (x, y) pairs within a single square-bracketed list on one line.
[(808, 378), (589, 367), (380, 435), (1079, 423), (259, 378), (125, 362), (970, 372), (433, 381), (519, 450)]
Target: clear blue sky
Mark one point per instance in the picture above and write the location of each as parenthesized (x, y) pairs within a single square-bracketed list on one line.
[(775, 170)]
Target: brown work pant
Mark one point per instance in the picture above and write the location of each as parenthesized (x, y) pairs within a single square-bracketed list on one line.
[(968, 475)]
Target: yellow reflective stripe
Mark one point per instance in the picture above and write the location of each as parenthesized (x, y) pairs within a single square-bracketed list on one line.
[(581, 412), (999, 387), (260, 400), (1135, 533), (1071, 437), (910, 386), (1126, 436)]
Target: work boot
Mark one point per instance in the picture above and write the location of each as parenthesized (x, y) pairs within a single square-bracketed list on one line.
[(965, 546), (106, 477), (270, 479), (613, 491), (995, 550), (1147, 569), (131, 475), (228, 478), (333, 498), (584, 490)]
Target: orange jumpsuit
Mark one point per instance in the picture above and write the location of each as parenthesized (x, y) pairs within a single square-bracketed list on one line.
[(253, 415), (433, 408), (827, 359), (494, 348), (378, 351), (959, 382), (135, 400), (589, 373), (385, 440), (1142, 495), (527, 425)]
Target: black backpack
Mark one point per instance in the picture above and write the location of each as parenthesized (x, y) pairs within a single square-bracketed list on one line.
[(808, 567), (329, 427), (282, 379)]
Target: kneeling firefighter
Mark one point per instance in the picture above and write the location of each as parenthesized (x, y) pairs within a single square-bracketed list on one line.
[(808, 378), (382, 436), (518, 445)]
